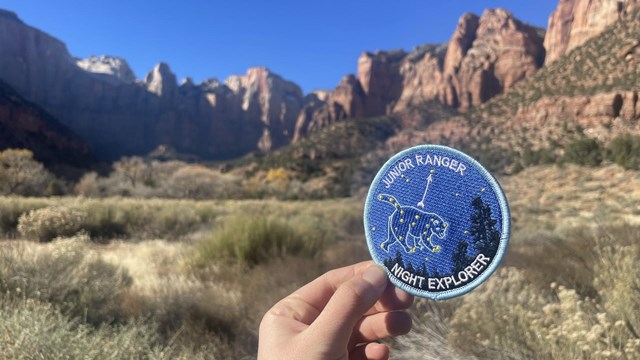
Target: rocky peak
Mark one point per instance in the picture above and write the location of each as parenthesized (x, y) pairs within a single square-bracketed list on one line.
[(23, 51), (161, 81), (111, 67), (349, 96), (576, 21), (317, 95), (503, 52), (9, 15), (270, 102), (378, 75), (461, 41), (210, 84), (187, 82)]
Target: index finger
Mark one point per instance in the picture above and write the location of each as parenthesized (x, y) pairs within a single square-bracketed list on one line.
[(318, 292)]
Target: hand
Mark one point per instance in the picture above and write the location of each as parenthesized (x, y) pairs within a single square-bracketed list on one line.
[(339, 315)]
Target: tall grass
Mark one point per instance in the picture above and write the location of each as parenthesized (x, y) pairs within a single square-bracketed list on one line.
[(130, 218), (512, 317), (251, 240), (149, 290), (35, 330)]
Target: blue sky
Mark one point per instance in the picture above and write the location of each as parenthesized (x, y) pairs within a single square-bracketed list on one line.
[(313, 43)]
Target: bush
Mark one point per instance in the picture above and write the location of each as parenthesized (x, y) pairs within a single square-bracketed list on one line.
[(50, 222), (251, 240), (199, 182), (556, 321), (35, 330), (624, 150), (584, 151), (21, 174), (64, 273)]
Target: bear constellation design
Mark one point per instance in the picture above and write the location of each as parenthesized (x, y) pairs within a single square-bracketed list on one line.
[(409, 222)]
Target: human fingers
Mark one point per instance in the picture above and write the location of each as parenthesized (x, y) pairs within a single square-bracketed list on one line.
[(347, 305), (392, 299), (381, 326), (316, 294), (306, 303), (371, 351)]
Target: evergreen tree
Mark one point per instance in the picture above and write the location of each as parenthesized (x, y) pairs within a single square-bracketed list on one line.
[(485, 236), (389, 262), (460, 258), (423, 271)]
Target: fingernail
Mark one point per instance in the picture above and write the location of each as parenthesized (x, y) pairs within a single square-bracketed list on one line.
[(376, 275)]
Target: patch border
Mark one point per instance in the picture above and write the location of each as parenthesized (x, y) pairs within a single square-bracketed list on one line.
[(504, 237)]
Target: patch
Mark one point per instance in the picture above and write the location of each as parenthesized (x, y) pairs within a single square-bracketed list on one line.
[(437, 221)]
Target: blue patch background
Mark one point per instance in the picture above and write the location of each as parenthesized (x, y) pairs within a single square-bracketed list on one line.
[(442, 200)]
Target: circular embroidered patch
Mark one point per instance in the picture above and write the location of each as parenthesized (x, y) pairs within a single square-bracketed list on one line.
[(437, 221)]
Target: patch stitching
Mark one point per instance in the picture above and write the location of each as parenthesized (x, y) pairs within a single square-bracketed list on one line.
[(401, 235)]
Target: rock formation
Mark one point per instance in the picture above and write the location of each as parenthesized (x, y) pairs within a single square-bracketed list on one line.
[(576, 21), (100, 100), (109, 67), (485, 56), (24, 125)]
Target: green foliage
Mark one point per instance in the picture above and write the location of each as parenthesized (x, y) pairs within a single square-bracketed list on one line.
[(332, 152), (584, 151), (251, 240), (531, 157), (624, 150)]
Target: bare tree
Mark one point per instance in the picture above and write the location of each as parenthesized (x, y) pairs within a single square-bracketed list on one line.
[(21, 174)]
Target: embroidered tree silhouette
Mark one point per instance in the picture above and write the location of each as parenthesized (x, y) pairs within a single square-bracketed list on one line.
[(389, 262), (485, 236), (460, 258)]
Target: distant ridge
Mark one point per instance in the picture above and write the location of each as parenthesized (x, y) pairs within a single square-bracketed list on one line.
[(25, 125)]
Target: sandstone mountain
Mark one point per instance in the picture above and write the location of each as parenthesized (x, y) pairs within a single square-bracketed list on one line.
[(592, 91), (576, 21), (25, 125), (485, 57), (114, 68), (100, 100)]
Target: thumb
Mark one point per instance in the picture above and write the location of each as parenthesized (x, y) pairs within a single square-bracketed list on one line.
[(348, 304)]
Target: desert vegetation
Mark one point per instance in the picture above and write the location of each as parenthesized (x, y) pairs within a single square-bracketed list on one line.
[(115, 277)]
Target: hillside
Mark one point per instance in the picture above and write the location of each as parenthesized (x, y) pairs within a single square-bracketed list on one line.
[(25, 125), (257, 112), (591, 92), (608, 63)]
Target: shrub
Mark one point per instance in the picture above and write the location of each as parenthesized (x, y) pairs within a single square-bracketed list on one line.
[(12, 207), (35, 330), (199, 182), (50, 222), (64, 273), (251, 240), (584, 151), (557, 322), (624, 150), (617, 275), (21, 174), (89, 185)]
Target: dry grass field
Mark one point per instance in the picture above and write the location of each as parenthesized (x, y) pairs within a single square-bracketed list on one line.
[(150, 278)]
